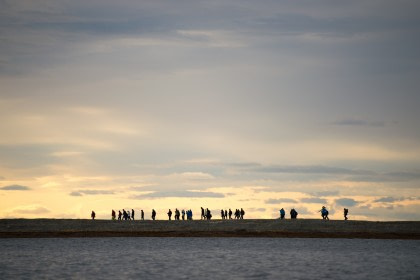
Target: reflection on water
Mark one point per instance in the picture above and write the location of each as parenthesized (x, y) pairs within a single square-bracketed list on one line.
[(209, 258)]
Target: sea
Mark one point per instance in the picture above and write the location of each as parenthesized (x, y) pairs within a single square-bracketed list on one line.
[(208, 258)]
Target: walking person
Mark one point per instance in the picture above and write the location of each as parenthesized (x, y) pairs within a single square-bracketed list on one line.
[(324, 213), (119, 215), (132, 214), (153, 214), (183, 214), (346, 211), (230, 214), (242, 214), (222, 213), (113, 215), (202, 213), (93, 215), (169, 214), (142, 215), (282, 213)]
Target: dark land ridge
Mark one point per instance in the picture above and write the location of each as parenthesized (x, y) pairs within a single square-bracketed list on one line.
[(299, 228)]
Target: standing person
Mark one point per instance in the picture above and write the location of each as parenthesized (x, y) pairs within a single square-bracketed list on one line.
[(93, 215), (208, 214), (183, 214), (191, 214), (113, 215), (119, 215), (132, 214), (242, 214), (202, 213), (128, 215), (226, 214), (124, 215), (142, 215), (293, 214), (222, 213), (282, 213), (230, 214), (169, 214), (346, 211), (153, 214)]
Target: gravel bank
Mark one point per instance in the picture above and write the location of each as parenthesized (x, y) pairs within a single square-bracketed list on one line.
[(11, 228)]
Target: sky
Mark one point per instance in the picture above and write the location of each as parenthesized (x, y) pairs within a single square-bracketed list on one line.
[(217, 104)]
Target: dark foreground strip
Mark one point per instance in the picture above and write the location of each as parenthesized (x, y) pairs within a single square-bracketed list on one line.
[(240, 233)]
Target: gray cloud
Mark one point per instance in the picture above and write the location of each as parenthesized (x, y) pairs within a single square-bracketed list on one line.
[(309, 169), (358, 122), (162, 194), (15, 188), (346, 202), (280, 200), (325, 193), (386, 199), (313, 200), (90, 192)]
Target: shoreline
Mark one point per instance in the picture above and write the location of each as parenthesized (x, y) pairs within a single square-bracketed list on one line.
[(269, 228)]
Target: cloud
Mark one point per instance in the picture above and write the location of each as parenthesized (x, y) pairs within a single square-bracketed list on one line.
[(386, 199), (15, 188), (308, 169), (358, 122), (162, 194), (90, 192), (325, 193), (30, 209), (346, 202), (313, 200), (76, 194), (280, 200)]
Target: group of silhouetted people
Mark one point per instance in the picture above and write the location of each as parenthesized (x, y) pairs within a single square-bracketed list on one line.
[(293, 213), (206, 214), (126, 215), (177, 215), (324, 213)]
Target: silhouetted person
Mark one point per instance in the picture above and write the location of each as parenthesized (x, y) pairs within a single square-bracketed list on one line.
[(208, 214), (153, 214), (113, 215), (125, 215), (93, 215), (282, 213), (230, 214), (324, 213), (222, 213), (242, 214), (293, 214), (183, 214), (346, 211), (226, 214), (142, 214), (169, 214), (128, 215), (119, 215), (132, 214), (202, 213)]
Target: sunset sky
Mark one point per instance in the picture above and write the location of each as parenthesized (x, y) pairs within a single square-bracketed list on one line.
[(221, 104)]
